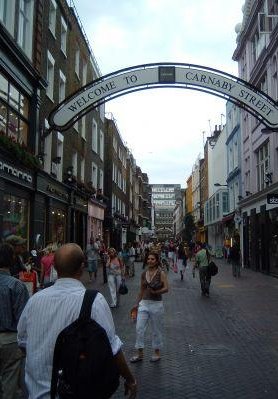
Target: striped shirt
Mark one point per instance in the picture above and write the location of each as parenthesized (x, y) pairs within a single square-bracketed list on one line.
[(45, 316), (13, 298)]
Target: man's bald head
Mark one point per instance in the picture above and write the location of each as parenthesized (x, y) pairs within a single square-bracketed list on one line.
[(69, 260)]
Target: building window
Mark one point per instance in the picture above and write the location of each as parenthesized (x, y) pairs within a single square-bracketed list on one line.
[(77, 62), (101, 179), (94, 174), (115, 144), (60, 153), (262, 165), (82, 169), (225, 202), (62, 87), (25, 26), (94, 136), (7, 13), (274, 85), (14, 112), (50, 75), (52, 17), (74, 163), (83, 127), (15, 216), (84, 73), (101, 145), (64, 31)]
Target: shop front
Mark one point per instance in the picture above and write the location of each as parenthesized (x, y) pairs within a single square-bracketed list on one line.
[(78, 219), (51, 210), (95, 219), (16, 193), (260, 233)]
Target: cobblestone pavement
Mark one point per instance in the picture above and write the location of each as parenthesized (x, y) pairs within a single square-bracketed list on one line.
[(225, 346)]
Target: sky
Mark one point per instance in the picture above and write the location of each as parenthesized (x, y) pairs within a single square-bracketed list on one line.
[(164, 128)]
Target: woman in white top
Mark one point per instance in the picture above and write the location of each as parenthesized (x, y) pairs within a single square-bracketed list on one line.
[(115, 273)]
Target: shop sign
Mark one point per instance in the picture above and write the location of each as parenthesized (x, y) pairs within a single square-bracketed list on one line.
[(148, 76), (272, 199), (59, 193), (13, 171), (96, 212), (81, 203)]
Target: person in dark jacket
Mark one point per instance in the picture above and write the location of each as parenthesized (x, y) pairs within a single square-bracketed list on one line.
[(13, 298), (234, 258)]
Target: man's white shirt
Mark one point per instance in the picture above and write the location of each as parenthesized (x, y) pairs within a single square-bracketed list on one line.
[(46, 314)]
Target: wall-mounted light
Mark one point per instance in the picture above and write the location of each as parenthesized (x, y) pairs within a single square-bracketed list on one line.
[(56, 160)]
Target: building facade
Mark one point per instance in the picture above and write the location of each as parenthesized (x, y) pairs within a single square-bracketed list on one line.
[(164, 197), (257, 54)]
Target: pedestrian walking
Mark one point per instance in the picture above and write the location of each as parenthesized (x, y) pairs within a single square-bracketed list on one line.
[(115, 274), (202, 262), (92, 258), (19, 246), (150, 308), (234, 259), (181, 260), (13, 298), (131, 260), (103, 257), (49, 311), (47, 262)]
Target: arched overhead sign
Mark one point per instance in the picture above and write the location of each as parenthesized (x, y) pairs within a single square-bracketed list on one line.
[(186, 76)]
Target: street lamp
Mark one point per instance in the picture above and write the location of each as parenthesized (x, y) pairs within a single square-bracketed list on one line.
[(220, 185)]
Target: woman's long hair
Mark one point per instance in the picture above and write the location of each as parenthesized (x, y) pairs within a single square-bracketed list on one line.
[(157, 258)]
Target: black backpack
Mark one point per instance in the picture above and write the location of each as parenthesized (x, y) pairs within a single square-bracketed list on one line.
[(83, 363)]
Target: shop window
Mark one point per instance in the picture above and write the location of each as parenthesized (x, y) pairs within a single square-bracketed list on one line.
[(57, 225), (14, 112), (15, 216)]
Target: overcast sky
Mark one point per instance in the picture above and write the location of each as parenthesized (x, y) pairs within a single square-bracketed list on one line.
[(163, 127)]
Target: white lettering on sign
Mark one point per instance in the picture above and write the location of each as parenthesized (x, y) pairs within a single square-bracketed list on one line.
[(273, 201), (11, 170), (148, 76)]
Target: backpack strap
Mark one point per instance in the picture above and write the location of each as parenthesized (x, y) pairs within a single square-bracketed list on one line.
[(88, 300)]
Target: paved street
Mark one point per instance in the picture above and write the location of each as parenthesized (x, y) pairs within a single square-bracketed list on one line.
[(225, 346)]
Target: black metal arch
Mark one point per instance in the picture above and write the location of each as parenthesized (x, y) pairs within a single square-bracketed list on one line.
[(165, 75)]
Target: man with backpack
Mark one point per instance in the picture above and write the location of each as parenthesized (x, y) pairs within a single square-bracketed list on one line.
[(72, 348)]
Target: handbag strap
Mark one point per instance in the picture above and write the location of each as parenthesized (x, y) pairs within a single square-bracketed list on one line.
[(208, 256), (88, 300)]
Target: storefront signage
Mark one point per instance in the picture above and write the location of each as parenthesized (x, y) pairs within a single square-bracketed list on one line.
[(19, 174), (272, 199), (186, 76), (56, 191), (81, 203)]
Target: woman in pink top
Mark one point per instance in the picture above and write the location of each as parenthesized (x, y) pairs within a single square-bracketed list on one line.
[(47, 262)]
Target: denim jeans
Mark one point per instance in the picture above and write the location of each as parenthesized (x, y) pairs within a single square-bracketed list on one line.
[(149, 311), (205, 278)]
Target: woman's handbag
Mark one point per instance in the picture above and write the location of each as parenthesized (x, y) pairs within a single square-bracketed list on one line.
[(175, 268), (123, 290), (213, 269)]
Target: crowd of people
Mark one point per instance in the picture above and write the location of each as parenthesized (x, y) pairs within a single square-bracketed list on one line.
[(30, 324)]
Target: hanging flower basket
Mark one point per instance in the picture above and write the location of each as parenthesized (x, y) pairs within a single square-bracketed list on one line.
[(19, 151)]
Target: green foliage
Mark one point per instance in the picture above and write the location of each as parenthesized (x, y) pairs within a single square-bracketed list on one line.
[(19, 151)]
